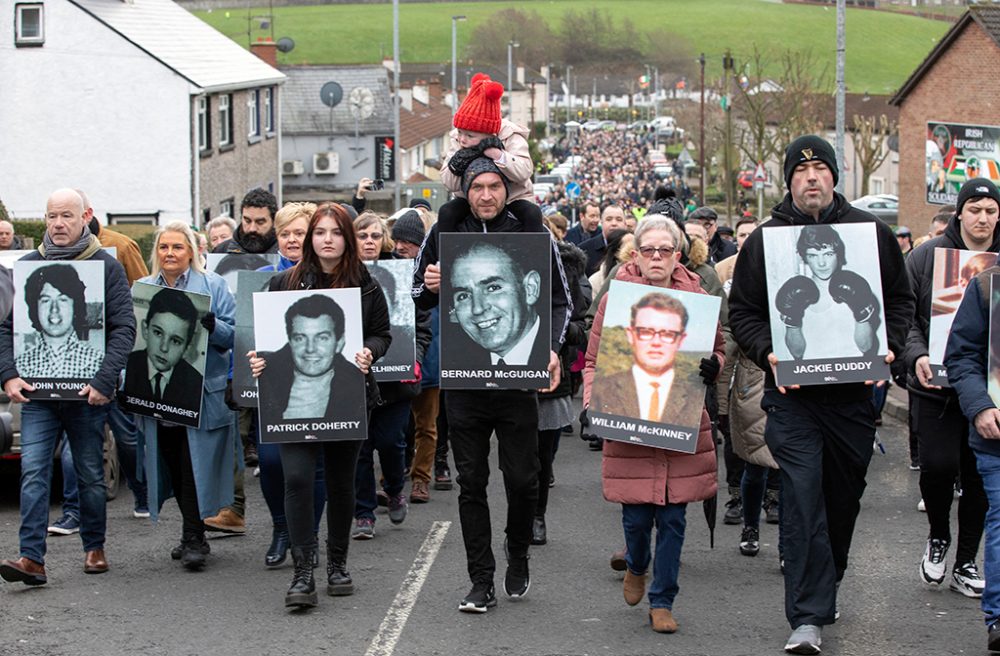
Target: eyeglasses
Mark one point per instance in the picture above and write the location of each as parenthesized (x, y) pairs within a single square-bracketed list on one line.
[(364, 236), (666, 336), (649, 251)]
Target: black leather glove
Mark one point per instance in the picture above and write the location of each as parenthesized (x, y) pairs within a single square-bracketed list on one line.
[(461, 160), (709, 369), (208, 322), (723, 424), (794, 297), (492, 141)]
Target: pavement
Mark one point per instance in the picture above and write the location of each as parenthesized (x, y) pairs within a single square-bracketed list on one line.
[(410, 578)]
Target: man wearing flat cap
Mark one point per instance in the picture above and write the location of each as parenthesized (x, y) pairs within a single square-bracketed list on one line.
[(820, 435)]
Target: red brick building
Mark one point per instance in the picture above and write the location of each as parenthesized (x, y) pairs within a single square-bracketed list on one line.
[(949, 118)]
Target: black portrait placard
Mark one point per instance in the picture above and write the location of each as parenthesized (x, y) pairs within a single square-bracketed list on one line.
[(58, 326), (825, 298), (496, 310), (310, 389), (229, 265), (244, 385), (165, 373), (394, 277)]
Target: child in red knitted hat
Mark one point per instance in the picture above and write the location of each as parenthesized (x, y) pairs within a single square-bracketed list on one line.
[(480, 131)]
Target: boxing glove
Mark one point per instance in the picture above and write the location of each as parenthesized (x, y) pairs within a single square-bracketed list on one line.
[(794, 297), (851, 289)]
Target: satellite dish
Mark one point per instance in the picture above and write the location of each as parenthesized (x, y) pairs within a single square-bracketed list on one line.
[(286, 44), (362, 102), (331, 94)]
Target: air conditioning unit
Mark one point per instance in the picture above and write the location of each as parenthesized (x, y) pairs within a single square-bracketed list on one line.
[(292, 167), (326, 164)]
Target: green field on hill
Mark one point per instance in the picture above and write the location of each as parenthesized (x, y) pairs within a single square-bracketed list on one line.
[(883, 48)]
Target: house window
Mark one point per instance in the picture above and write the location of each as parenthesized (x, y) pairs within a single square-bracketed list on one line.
[(29, 29), (204, 125), (268, 110), (206, 216), (878, 185), (227, 206), (253, 113), (225, 120)]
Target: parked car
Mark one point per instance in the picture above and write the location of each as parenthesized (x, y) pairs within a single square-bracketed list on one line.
[(745, 179), (591, 125), (549, 179), (881, 206)]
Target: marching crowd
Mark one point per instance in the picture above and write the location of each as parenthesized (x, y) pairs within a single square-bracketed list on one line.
[(798, 455)]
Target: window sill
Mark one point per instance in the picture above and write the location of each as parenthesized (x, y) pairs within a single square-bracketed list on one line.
[(207, 152), (225, 148), (270, 135), (253, 139), (29, 44)]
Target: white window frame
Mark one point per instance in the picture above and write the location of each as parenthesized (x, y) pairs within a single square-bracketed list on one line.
[(204, 133), (877, 185), (269, 110), (225, 120), (19, 10), (253, 113), (228, 206)]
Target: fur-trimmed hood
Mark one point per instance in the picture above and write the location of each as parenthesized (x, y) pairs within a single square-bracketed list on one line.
[(573, 259), (697, 253)]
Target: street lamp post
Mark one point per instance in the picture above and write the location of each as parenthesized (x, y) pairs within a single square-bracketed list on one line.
[(510, 75), (454, 62), (701, 132)]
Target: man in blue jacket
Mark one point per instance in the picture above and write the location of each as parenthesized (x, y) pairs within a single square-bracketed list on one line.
[(42, 422)]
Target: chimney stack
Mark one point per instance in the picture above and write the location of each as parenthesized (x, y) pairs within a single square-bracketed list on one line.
[(266, 50)]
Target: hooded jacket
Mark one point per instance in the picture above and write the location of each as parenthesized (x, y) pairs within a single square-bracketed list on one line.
[(634, 473), (749, 305), (920, 269)]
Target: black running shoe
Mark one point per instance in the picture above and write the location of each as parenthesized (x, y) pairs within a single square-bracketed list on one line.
[(517, 580), (480, 599)]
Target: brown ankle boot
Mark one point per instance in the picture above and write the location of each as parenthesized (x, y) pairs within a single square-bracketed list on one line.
[(634, 588), (662, 620)]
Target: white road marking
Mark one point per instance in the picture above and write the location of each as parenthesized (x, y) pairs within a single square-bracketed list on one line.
[(384, 642)]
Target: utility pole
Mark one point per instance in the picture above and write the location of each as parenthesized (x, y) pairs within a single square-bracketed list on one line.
[(701, 132), (841, 87), (727, 65), (397, 155), (454, 62)]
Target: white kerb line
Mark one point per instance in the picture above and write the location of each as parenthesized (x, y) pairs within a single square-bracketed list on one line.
[(384, 642)]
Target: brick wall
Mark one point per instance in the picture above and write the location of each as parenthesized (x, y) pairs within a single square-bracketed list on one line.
[(957, 89)]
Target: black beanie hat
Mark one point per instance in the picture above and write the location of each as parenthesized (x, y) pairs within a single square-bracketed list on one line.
[(476, 168), (807, 148), (976, 188), (420, 202), (408, 227)]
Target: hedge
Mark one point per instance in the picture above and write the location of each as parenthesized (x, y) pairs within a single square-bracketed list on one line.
[(142, 234)]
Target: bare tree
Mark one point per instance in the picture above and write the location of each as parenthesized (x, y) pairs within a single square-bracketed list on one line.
[(536, 41), (869, 137)]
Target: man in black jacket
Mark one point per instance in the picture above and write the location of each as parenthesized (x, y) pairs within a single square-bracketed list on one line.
[(718, 248), (474, 415), (942, 429), (255, 234), (820, 435), (43, 422)]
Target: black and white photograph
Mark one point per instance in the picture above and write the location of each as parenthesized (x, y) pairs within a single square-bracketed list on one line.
[(165, 373), (396, 277), (825, 293), (647, 387), (58, 326), (496, 310), (244, 385), (310, 388), (228, 265), (953, 269)]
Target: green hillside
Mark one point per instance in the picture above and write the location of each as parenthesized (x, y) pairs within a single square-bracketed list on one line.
[(882, 47)]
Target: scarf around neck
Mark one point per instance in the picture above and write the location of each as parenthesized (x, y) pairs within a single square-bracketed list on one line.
[(82, 249)]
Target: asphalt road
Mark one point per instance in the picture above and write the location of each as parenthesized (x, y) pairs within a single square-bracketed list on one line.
[(410, 578)]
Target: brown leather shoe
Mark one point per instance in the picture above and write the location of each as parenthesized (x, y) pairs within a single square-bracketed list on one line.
[(618, 561), (226, 521), (24, 570), (95, 562), (634, 588), (420, 492), (662, 620)]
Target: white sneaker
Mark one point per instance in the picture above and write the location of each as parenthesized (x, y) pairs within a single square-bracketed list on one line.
[(804, 640), (932, 565), (965, 579), (921, 506)]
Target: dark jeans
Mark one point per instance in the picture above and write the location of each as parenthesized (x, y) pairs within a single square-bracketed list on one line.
[(944, 455), (272, 485), (441, 450), (734, 463), (756, 480), (473, 416), (176, 454), (670, 521), (298, 460), (548, 440), (386, 434), (823, 451)]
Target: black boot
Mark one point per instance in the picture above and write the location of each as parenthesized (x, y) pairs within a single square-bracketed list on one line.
[(278, 551), (338, 579), (734, 507), (302, 592), (538, 533), (193, 550)]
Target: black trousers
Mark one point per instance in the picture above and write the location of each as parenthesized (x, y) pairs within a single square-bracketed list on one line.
[(340, 459), (441, 450), (823, 451), (176, 454), (548, 440), (473, 416), (944, 455)]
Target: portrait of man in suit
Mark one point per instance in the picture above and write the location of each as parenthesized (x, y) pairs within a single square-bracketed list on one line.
[(651, 389), (495, 298), (160, 372), (311, 377)]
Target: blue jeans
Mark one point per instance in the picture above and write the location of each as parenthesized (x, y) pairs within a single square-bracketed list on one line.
[(989, 469), (638, 520), (42, 423), (386, 433), (126, 436)]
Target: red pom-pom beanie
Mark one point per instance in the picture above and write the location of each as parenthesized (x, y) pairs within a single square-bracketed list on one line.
[(480, 111)]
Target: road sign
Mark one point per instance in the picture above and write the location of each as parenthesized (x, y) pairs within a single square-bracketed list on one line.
[(759, 174), (573, 190)]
